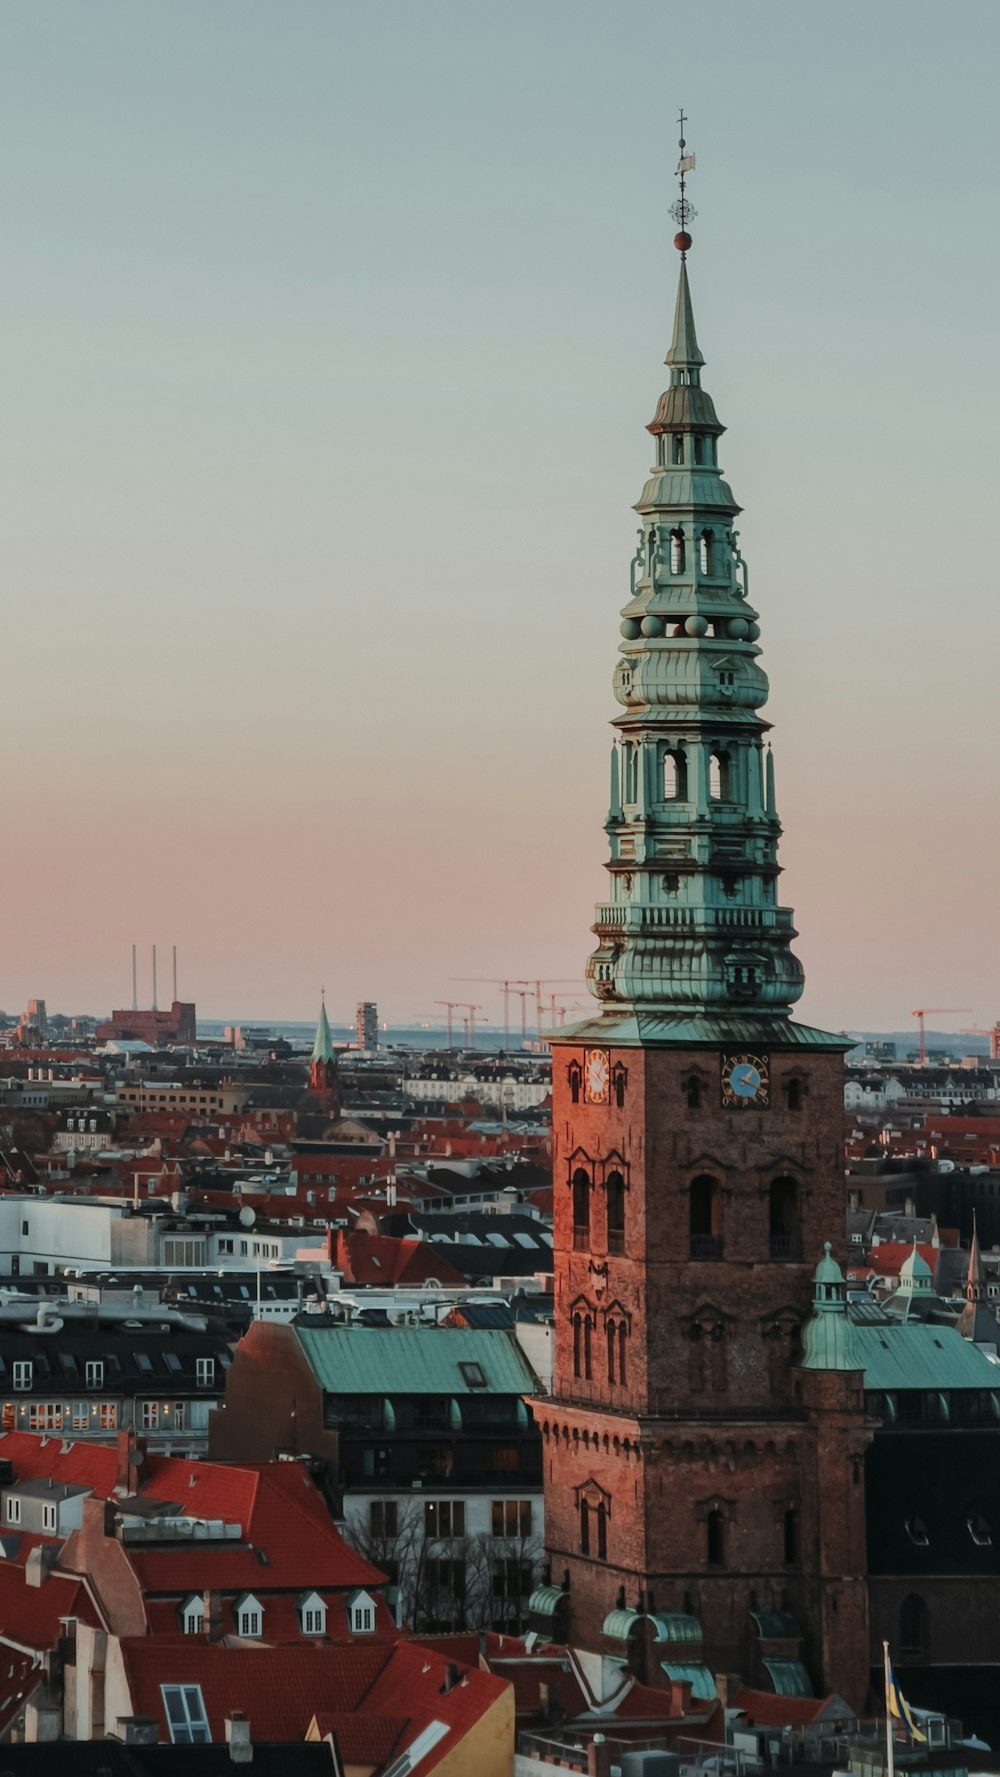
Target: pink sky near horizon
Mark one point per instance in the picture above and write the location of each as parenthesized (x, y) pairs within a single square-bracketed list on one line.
[(319, 446)]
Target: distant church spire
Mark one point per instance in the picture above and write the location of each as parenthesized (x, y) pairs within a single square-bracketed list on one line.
[(323, 1064)]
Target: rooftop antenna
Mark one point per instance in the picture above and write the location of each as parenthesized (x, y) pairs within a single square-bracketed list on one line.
[(175, 974), (154, 977), (135, 979), (683, 212)]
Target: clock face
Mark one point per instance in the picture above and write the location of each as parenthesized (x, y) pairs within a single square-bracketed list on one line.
[(596, 1074), (745, 1081)]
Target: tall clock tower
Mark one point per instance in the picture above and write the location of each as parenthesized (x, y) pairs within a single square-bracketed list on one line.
[(703, 1464)]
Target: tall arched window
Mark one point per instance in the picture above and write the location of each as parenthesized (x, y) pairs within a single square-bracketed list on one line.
[(602, 1531), (699, 448), (720, 776), (622, 1342), (706, 552), (577, 1343), (631, 764), (914, 1629), (615, 1191), (793, 1094), (584, 1527), (677, 552), (783, 1219), (581, 1210), (674, 775), (704, 1218), (677, 447), (588, 1327), (715, 1539), (791, 1538), (612, 1349)]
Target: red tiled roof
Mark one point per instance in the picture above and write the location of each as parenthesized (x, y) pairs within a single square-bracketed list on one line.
[(381, 1259), (767, 1711), (278, 1689), (890, 1255), (30, 1614), (19, 1677), (363, 1739)]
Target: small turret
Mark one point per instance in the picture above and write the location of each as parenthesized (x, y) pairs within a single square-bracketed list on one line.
[(828, 1341)]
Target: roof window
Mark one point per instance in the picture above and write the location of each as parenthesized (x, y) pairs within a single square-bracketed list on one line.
[(916, 1530), (185, 1711), (473, 1375)]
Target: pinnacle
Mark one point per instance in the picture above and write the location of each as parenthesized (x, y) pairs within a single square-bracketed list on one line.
[(684, 353)]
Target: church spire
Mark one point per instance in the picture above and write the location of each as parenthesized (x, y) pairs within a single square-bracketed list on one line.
[(323, 1061), (692, 927)]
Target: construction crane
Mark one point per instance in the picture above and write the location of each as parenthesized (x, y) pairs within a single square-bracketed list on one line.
[(994, 1036), (510, 984), (920, 1015), (513, 984), (468, 1022)]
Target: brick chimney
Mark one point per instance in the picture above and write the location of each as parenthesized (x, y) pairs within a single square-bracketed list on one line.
[(41, 1560), (238, 1738), (598, 1757), (131, 1452), (212, 1619)]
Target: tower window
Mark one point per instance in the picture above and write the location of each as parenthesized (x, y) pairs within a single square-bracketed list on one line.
[(783, 1219), (612, 1350), (577, 1343), (677, 552), (584, 1527), (706, 552), (602, 1531), (914, 1628), (720, 769), (622, 1342), (793, 1094), (581, 1211), (704, 1218), (674, 775), (692, 1092), (715, 1539), (615, 1193), (791, 1538), (677, 447), (699, 449)]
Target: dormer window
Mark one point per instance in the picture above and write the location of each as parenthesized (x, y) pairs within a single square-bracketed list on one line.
[(249, 1617), (23, 1370), (361, 1613), (979, 1531), (312, 1614), (916, 1530), (193, 1614)]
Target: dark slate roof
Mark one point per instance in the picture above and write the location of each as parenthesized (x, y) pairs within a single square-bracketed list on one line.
[(937, 1482), (134, 1358), (110, 1758)]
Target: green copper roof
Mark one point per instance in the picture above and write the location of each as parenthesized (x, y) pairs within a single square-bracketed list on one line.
[(545, 1601), (696, 1674), (323, 1046), (828, 1341), (789, 1678), (684, 352), (919, 1355), (677, 1626), (413, 1360), (638, 1028), (618, 1624)]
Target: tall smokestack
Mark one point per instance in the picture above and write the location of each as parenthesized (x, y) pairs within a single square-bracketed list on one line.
[(175, 974), (154, 977), (135, 979)]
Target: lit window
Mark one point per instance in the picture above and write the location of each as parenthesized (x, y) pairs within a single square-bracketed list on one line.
[(185, 1711), (109, 1415), (45, 1416)]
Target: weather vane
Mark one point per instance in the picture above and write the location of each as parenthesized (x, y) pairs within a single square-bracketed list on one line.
[(683, 212)]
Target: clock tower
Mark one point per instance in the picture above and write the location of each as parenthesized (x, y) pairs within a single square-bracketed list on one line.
[(704, 1489)]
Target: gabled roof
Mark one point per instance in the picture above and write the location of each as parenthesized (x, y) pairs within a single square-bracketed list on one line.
[(413, 1360)]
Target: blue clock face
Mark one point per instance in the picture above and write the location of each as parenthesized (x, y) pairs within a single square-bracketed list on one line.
[(745, 1080)]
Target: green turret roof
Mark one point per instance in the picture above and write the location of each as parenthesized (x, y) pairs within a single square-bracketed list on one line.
[(323, 1046), (828, 1336)]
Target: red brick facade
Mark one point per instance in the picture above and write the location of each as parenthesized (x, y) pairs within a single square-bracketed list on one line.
[(706, 1472)]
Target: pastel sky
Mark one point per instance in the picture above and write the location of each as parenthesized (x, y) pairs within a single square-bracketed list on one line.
[(329, 336)]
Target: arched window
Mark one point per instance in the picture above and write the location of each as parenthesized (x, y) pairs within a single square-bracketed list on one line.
[(793, 1094), (581, 1210), (720, 777), (575, 1078), (602, 1531), (677, 552), (631, 763), (692, 1092), (791, 1537), (674, 775), (914, 1629), (715, 1539), (577, 1343), (587, 1331), (677, 447), (612, 1349), (622, 1341), (783, 1219), (619, 1075), (699, 448), (706, 552), (704, 1218), (615, 1190), (584, 1527)]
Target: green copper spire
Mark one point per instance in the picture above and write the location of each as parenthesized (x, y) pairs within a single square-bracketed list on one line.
[(828, 1341), (693, 927), (323, 1049)]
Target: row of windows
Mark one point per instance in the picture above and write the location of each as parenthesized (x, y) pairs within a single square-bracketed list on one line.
[(250, 1616), (594, 1534), (615, 1346), (705, 1219), (674, 783), (12, 1512), (23, 1370), (261, 1249), (444, 1518), (614, 1192), (703, 448), (50, 1416)]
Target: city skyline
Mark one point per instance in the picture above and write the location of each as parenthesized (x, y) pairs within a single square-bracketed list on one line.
[(324, 423)]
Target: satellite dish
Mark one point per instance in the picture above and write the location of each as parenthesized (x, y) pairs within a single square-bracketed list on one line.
[(247, 1217)]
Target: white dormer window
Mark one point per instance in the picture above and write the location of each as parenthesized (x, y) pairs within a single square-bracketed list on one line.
[(95, 1372), (312, 1614), (13, 1509), (22, 1375), (50, 1516), (361, 1613), (193, 1614), (206, 1372), (249, 1617)]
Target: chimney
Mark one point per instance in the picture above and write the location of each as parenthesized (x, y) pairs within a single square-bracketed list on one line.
[(238, 1738), (598, 1757), (41, 1560), (212, 1603), (131, 1453)]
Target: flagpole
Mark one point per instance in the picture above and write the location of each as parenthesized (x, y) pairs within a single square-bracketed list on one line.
[(889, 1760)]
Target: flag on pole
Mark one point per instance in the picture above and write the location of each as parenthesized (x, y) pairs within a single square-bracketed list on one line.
[(687, 163), (897, 1705)]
